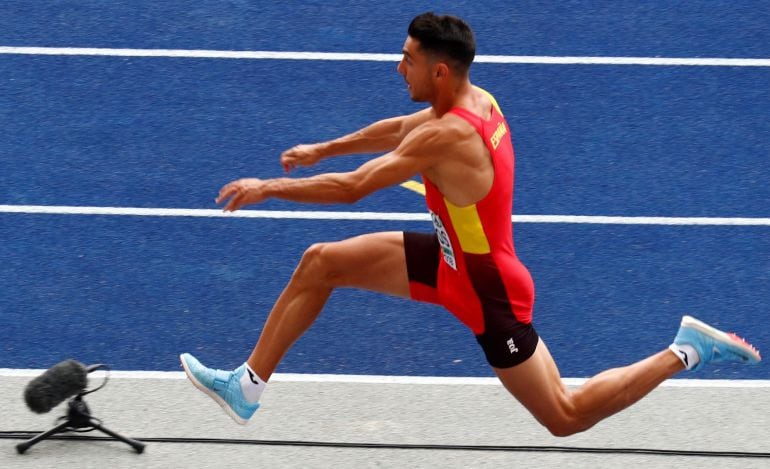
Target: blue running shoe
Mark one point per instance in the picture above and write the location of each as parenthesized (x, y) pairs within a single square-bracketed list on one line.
[(713, 345), (222, 386)]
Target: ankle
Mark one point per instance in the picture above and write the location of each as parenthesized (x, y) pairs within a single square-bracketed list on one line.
[(252, 385), (687, 354)]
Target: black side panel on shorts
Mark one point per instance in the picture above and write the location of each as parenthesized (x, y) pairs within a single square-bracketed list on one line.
[(422, 257)]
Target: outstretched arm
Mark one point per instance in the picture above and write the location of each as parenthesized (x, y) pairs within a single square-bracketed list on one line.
[(382, 136), (418, 151)]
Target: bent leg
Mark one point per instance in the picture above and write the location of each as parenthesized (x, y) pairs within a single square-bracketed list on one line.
[(537, 385), (374, 262)]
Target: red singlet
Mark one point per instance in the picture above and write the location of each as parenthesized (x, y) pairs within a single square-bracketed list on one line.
[(479, 278)]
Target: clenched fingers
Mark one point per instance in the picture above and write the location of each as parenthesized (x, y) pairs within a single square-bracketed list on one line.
[(299, 155)]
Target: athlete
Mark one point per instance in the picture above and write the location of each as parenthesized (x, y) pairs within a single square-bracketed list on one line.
[(462, 149)]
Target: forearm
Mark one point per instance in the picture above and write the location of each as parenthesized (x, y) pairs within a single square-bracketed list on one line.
[(329, 188), (382, 136), (383, 171)]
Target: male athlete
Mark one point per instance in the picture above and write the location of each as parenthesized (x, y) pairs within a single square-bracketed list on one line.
[(461, 147)]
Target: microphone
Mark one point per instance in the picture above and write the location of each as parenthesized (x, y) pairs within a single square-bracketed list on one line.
[(58, 383), (64, 380)]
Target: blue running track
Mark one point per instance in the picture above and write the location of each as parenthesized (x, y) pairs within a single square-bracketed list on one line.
[(616, 140)]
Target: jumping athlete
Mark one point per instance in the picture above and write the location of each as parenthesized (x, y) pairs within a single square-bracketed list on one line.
[(462, 149)]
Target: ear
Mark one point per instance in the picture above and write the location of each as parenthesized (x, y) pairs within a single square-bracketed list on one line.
[(442, 70)]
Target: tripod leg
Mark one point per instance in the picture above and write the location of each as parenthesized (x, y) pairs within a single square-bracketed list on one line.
[(137, 445), (22, 447)]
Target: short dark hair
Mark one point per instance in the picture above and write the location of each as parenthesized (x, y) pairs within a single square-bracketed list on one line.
[(447, 36)]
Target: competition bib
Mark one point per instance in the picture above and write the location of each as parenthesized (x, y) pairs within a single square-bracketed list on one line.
[(443, 239)]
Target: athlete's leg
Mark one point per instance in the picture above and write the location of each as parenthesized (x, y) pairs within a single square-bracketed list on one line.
[(373, 262), (537, 385)]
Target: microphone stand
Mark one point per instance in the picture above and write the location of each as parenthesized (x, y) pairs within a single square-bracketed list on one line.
[(79, 419)]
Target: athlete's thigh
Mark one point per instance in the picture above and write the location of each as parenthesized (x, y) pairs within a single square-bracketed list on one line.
[(374, 261), (536, 383)]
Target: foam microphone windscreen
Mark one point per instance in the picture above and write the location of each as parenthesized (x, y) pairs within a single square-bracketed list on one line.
[(58, 383)]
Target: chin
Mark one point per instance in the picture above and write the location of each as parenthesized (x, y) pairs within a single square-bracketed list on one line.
[(417, 98)]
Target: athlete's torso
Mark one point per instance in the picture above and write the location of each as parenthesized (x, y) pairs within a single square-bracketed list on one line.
[(479, 270)]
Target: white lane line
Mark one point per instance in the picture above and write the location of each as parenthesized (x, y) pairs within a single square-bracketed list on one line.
[(605, 220), (353, 56), (380, 379), (187, 212), (386, 216)]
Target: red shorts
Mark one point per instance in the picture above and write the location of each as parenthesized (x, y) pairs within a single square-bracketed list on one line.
[(506, 338)]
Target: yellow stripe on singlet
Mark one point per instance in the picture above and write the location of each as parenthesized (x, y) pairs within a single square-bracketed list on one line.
[(468, 228), (491, 98), (415, 186)]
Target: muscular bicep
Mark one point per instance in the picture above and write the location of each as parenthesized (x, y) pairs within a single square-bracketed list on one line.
[(419, 151), (412, 121), (392, 131), (384, 171)]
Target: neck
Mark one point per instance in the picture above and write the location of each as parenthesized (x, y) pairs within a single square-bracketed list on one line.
[(449, 96)]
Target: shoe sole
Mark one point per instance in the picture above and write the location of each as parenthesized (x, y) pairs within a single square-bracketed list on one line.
[(228, 410), (733, 340)]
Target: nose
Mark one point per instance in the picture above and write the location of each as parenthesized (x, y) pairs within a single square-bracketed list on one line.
[(400, 67)]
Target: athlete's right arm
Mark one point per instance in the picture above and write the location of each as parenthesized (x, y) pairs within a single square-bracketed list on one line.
[(423, 148), (382, 136)]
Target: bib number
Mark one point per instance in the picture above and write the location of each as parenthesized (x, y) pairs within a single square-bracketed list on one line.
[(444, 242)]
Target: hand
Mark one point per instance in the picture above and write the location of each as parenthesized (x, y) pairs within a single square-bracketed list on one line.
[(300, 155), (243, 192)]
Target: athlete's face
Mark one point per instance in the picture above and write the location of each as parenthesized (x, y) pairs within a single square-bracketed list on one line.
[(416, 67)]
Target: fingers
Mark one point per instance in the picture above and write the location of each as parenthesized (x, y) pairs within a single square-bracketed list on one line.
[(299, 155), (240, 193), (233, 191), (235, 203), (288, 160), (227, 191)]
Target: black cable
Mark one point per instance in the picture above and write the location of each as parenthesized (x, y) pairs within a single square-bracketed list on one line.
[(92, 368), (445, 447)]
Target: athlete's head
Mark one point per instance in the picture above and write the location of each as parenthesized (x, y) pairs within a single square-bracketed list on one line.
[(435, 47)]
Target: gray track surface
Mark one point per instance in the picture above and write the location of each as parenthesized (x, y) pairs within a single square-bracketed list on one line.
[(671, 418)]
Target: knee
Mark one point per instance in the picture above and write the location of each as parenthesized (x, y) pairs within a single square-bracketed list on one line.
[(312, 258), (562, 429), (565, 424), (316, 264)]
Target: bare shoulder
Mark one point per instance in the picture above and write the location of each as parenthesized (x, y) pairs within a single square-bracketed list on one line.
[(458, 162), (440, 132)]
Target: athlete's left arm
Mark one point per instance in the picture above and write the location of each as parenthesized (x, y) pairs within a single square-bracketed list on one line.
[(419, 150)]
